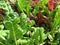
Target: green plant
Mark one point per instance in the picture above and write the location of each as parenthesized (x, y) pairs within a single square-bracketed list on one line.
[(20, 29)]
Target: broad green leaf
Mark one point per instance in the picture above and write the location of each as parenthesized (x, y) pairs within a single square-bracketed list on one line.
[(43, 3), (42, 34), (4, 4), (24, 6), (39, 33), (56, 21), (15, 32), (22, 42), (3, 34), (23, 22)]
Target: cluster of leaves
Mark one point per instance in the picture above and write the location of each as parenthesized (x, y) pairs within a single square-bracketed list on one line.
[(16, 29)]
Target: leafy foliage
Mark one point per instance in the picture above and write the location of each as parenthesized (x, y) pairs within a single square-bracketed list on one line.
[(16, 29), (24, 6)]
